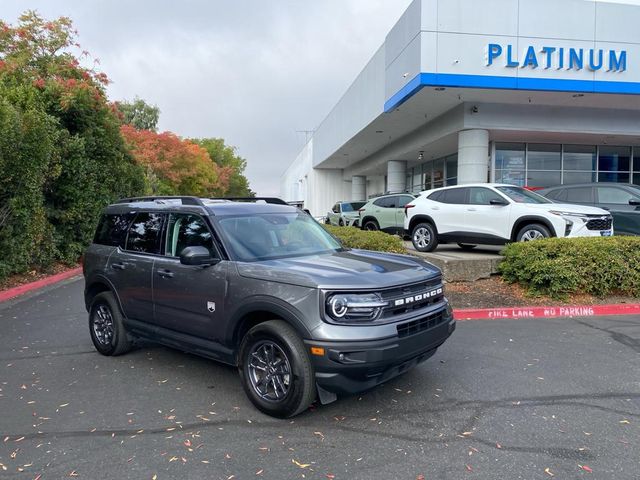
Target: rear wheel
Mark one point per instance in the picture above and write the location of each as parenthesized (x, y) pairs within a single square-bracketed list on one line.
[(106, 326), (371, 225), (275, 369), (424, 237), (535, 231), (341, 223), (466, 246)]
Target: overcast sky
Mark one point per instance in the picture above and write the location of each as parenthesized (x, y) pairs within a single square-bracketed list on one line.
[(252, 72)]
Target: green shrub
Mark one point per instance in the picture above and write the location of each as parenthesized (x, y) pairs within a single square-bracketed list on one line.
[(355, 238), (560, 266)]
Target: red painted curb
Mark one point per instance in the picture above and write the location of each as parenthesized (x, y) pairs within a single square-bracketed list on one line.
[(546, 312), (44, 282)]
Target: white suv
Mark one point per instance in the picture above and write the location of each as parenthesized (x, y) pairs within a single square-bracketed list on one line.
[(495, 214)]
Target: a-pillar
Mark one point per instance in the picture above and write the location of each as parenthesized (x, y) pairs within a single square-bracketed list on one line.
[(396, 176), (473, 156), (358, 188)]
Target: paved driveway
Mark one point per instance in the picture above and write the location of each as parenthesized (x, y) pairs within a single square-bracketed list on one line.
[(503, 399)]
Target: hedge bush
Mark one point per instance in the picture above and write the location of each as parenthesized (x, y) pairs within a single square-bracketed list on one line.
[(559, 267), (352, 237)]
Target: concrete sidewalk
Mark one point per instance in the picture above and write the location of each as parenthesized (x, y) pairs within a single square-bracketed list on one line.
[(458, 265)]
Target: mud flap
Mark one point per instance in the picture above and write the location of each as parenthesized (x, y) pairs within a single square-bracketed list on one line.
[(325, 396)]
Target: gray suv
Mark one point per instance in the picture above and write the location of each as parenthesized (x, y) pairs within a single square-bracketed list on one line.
[(262, 286)]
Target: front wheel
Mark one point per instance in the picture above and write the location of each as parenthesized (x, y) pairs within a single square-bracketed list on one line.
[(531, 232), (424, 237), (275, 369), (341, 223)]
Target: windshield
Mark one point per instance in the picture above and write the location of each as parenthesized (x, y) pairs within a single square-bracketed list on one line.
[(522, 195), (276, 235), (352, 207)]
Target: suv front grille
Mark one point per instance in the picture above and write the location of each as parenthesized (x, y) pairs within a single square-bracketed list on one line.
[(410, 298), (417, 326), (600, 223)]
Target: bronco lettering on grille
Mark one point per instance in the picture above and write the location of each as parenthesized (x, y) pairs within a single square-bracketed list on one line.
[(417, 298)]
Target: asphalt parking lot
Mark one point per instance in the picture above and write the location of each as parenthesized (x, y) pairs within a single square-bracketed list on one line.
[(502, 399)]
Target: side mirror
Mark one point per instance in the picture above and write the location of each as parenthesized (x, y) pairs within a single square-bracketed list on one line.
[(634, 201), (197, 256), (498, 201)]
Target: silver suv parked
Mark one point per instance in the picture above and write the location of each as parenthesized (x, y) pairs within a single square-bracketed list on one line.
[(262, 286)]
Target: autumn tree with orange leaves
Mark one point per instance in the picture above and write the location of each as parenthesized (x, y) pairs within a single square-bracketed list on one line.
[(175, 166)]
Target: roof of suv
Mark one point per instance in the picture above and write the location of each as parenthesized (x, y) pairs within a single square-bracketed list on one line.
[(210, 206)]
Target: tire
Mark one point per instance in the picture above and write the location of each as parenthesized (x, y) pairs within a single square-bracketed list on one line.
[(271, 340), (371, 225), (466, 246), (535, 231), (341, 223), (106, 326), (424, 237), (327, 221)]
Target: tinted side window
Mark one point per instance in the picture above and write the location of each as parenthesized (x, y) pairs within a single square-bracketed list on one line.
[(614, 195), (112, 229), (186, 230), (144, 233), (579, 195), (436, 196), (403, 200), (482, 196), (556, 194), (386, 202), (455, 196)]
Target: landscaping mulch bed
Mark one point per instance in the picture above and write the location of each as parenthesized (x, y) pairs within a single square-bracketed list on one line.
[(495, 293), (32, 276)]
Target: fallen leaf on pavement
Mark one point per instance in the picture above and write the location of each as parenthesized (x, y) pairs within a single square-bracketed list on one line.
[(301, 465), (548, 472), (586, 468)]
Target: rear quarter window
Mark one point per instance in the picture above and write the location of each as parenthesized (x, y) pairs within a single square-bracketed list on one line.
[(112, 229)]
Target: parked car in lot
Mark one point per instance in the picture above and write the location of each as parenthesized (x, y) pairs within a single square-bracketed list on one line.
[(261, 286), (495, 214), (344, 214), (385, 213), (622, 200)]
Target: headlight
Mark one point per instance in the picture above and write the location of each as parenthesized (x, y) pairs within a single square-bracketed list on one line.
[(581, 216), (354, 306)]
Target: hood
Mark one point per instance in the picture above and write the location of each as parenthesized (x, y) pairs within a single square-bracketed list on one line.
[(351, 269), (568, 207)]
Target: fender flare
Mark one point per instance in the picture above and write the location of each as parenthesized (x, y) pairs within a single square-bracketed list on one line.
[(277, 307)]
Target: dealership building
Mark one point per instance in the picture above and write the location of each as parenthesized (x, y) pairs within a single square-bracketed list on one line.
[(527, 92)]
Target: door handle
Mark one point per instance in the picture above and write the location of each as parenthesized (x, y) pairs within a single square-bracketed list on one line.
[(605, 208), (165, 273), (118, 266), (471, 210)]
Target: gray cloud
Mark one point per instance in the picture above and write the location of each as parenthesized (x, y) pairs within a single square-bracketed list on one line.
[(252, 72)]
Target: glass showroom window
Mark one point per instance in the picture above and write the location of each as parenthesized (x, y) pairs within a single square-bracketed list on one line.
[(451, 169), (417, 178), (438, 173), (510, 163), (543, 165), (636, 165), (579, 162), (614, 164)]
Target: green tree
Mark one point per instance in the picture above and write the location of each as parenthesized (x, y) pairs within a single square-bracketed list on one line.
[(139, 114), (226, 157), (62, 157)]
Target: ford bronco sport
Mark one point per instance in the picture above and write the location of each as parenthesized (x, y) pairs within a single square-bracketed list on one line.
[(262, 286)]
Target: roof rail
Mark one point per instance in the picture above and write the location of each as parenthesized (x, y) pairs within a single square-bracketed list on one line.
[(274, 200), (186, 200)]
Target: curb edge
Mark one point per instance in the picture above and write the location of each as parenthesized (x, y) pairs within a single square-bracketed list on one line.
[(43, 282), (516, 313)]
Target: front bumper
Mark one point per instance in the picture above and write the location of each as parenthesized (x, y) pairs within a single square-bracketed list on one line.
[(351, 367)]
